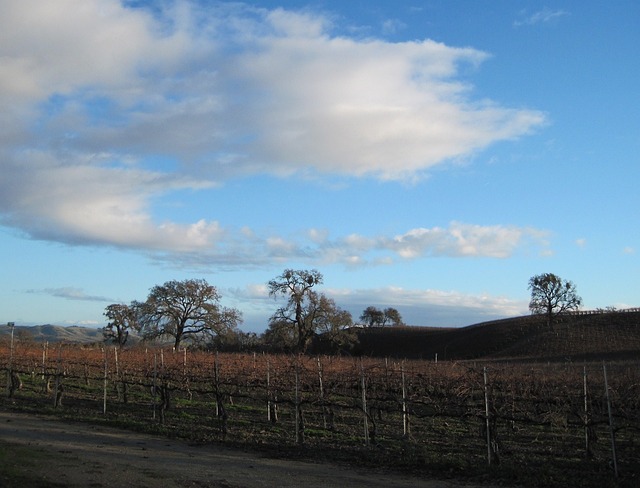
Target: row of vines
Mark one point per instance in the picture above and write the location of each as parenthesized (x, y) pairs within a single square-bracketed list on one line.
[(582, 420)]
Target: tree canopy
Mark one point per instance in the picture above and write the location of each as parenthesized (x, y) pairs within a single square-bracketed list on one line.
[(307, 313), (552, 296), (374, 317), (122, 318), (296, 286), (186, 309)]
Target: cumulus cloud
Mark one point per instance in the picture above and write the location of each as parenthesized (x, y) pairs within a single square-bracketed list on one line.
[(95, 94), (92, 204)]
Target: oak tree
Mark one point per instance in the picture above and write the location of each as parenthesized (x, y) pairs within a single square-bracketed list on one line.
[(321, 318), (122, 319), (392, 317), (295, 285), (188, 309), (332, 324), (373, 317), (552, 296)]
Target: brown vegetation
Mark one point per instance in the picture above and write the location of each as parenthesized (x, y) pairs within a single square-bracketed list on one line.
[(541, 418)]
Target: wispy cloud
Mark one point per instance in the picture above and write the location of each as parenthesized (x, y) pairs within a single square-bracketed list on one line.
[(392, 26), (543, 16), (70, 293)]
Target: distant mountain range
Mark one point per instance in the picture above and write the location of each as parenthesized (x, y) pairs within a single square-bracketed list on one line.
[(55, 333)]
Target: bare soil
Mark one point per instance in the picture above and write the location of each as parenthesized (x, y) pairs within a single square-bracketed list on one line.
[(39, 451)]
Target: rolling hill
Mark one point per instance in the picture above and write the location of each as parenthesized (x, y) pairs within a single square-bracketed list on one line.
[(55, 333), (586, 336)]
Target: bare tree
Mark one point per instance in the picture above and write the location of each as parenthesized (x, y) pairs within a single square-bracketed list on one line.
[(392, 317), (296, 286), (552, 296), (186, 309), (122, 319), (332, 324), (280, 336), (372, 317), (322, 319)]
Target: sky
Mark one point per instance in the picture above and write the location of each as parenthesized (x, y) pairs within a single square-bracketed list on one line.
[(430, 156)]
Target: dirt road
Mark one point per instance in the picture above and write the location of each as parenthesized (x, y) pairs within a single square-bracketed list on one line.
[(82, 455)]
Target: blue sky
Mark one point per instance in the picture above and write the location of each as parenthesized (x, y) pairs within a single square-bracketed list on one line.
[(430, 156)]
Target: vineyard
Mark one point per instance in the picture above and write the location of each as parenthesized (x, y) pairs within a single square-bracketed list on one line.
[(555, 424)]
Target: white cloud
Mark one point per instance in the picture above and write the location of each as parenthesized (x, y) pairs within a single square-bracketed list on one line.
[(71, 293), (271, 91), (463, 240), (430, 307), (317, 248), (95, 93), (322, 111), (96, 204), (426, 307)]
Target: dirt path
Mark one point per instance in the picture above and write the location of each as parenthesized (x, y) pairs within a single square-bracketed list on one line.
[(82, 455)]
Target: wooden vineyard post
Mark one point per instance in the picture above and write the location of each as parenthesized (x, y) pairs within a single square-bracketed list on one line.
[(161, 389), (155, 382), (10, 369), (405, 410), (45, 345), (611, 427), (221, 412), (120, 385), (364, 404), (324, 417), (268, 392), (184, 362), (298, 416), (104, 389), (587, 441), (216, 385), (57, 393), (296, 406), (486, 415)]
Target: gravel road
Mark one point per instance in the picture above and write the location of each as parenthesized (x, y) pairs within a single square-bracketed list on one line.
[(77, 454)]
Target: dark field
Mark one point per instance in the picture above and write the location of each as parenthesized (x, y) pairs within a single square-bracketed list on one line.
[(544, 426)]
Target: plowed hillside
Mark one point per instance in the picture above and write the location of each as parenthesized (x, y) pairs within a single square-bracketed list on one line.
[(597, 336)]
